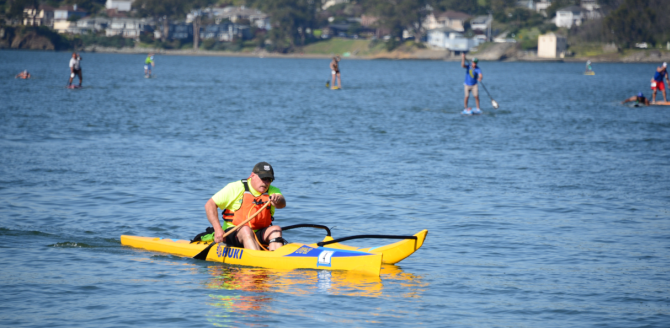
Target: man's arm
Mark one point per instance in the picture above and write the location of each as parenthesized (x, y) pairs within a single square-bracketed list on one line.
[(633, 98), (463, 60), (481, 76), (213, 218)]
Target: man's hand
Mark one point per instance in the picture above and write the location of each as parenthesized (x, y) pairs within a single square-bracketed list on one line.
[(277, 200), (218, 236)]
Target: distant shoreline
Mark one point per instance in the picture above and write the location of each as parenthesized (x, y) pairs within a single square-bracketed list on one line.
[(642, 56)]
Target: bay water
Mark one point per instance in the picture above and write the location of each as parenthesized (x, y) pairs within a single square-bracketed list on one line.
[(551, 211)]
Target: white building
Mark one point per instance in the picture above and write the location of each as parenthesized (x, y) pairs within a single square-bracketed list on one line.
[(569, 16), (129, 27), (330, 3), (119, 5), (481, 25), (92, 24), (541, 6), (450, 19), (447, 38), (61, 16), (551, 45)]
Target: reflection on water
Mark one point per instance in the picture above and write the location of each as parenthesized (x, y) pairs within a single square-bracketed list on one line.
[(257, 285)]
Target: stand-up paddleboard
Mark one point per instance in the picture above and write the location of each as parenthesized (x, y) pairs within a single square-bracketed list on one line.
[(661, 103), (335, 88), (589, 73), (72, 86), (472, 113)]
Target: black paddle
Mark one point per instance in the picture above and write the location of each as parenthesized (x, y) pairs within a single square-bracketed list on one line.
[(203, 255), (493, 102)]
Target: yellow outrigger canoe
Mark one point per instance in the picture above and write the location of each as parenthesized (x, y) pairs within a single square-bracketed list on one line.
[(335, 256)]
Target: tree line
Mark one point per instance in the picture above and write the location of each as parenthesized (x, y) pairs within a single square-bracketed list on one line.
[(626, 22)]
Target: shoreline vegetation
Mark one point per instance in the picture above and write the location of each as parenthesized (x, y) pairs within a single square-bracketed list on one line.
[(38, 38)]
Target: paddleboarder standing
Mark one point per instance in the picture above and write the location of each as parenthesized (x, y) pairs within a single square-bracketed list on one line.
[(148, 65), (657, 82), (335, 72), (472, 75), (75, 68), (239, 200)]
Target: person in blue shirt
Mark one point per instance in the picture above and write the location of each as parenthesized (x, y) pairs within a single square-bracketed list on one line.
[(472, 75), (657, 82)]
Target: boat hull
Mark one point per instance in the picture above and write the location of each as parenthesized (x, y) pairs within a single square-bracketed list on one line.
[(290, 256)]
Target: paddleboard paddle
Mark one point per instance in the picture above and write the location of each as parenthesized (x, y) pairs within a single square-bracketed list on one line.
[(203, 255), (493, 102)]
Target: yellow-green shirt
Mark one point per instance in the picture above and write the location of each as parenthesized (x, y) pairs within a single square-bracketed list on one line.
[(230, 197)]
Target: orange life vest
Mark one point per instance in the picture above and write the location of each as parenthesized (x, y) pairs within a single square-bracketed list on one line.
[(250, 205)]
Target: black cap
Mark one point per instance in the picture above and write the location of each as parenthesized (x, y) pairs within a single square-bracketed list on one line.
[(264, 170)]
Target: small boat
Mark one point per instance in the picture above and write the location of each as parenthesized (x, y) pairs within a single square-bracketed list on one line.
[(335, 256)]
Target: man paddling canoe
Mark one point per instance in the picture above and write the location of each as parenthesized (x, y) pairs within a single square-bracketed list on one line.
[(241, 199), (639, 99), (657, 82), (472, 75)]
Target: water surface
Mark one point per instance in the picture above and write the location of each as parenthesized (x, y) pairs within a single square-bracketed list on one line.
[(551, 211)]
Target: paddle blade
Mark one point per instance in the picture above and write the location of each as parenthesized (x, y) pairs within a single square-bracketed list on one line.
[(494, 103), (203, 255)]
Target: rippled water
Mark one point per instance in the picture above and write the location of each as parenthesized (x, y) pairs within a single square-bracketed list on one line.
[(549, 212)]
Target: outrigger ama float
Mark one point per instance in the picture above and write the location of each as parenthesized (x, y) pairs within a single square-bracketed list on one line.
[(328, 254)]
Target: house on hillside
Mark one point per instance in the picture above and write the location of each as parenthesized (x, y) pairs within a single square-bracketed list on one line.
[(119, 5), (234, 14), (447, 38), (451, 19), (92, 24), (64, 18), (42, 16), (481, 26), (568, 16), (541, 6), (129, 27), (330, 3), (551, 45), (591, 9)]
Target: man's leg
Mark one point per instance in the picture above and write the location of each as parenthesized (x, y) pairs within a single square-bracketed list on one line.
[(653, 96), (332, 83), (246, 236), (272, 232), (664, 98), (339, 81), (467, 95), (475, 92), (81, 79)]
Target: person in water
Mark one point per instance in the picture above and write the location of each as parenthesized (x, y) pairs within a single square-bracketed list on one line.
[(148, 64), (472, 75), (640, 99), (588, 66), (657, 82), (75, 68), (241, 199), (23, 75), (335, 71)]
